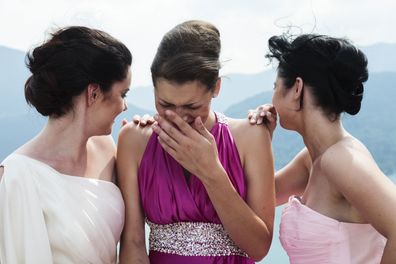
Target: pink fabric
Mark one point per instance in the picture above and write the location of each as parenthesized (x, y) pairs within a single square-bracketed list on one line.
[(311, 238), (168, 198)]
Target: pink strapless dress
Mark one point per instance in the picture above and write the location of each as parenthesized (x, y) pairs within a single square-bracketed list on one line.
[(309, 237), (184, 226)]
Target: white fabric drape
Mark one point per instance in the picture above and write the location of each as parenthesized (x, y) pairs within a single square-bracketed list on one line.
[(49, 217)]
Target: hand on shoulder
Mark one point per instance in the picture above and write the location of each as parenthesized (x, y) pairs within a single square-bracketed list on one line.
[(133, 138), (248, 134)]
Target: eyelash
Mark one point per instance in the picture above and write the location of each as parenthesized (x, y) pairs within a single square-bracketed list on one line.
[(188, 107), (124, 95)]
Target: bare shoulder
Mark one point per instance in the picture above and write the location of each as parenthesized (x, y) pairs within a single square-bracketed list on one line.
[(103, 142), (347, 157), (243, 131), (346, 151), (304, 159), (134, 137), (134, 133), (253, 141)]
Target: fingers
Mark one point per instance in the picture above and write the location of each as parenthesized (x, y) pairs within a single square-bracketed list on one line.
[(124, 122), (143, 121), (269, 116), (200, 127), (168, 148), (263, 114), (182, 125), (136, 119), (146, 120), (252, 116), (164, 138), (168, 128)]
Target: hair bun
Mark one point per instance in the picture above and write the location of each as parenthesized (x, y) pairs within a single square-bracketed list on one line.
[(349, 68)]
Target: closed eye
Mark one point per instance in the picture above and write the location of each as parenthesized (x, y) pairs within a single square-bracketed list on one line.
[(166, 105), (124, 94), (192, 107)]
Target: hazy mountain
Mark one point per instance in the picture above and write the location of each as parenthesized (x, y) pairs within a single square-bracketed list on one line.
[(375, 124), (13, 74)]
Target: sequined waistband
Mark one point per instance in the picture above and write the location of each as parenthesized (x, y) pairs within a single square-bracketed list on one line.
[(192, 239)]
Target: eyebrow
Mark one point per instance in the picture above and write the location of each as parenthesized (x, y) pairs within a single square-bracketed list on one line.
[(185, 105)]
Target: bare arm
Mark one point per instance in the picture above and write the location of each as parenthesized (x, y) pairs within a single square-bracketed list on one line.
[(293, 178), (258, 216), (133, 244), (363, 180), (249, 224)]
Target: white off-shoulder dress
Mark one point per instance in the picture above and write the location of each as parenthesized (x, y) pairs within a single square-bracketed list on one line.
[(49, 217)]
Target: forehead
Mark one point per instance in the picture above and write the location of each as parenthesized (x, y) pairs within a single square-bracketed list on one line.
[(176, 93)]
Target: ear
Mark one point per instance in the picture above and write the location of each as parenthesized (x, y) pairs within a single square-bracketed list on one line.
[(93, 91), (216, 90), (298, 89)]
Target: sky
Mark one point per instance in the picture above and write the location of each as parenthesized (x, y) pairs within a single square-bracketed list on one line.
[(245, 25)]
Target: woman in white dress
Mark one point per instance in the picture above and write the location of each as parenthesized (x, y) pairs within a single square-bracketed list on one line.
[(58, 202)]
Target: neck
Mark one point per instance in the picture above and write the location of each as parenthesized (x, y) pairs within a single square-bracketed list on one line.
[(64, 138), (319, 133), (209, 123)]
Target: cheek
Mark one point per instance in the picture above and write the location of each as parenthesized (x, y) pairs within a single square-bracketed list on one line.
[(274, 99), (121, 105)]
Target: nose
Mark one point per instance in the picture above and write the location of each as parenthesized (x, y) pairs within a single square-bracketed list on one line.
[(125, 105), (183, 114)]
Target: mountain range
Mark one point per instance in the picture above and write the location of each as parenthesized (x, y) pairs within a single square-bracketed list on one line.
[(375, 125)]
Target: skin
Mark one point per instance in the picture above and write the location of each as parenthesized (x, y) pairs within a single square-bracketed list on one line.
[(183, 123), (86, 150), (318, 172)]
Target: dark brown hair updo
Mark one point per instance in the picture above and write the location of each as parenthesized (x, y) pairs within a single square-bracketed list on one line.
[(189, 52), (68, 62), (333, 67)]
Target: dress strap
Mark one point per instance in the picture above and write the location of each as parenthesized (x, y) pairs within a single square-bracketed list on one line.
[(221, 118)]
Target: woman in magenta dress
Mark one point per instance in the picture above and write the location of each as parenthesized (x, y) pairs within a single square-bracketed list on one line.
[(341, 208), (206, 192)]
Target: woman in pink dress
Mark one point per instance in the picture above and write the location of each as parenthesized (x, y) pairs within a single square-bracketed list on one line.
[(206, 192), (341, 207)]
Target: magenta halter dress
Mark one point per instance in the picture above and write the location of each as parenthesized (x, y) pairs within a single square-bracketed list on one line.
[(184, 226)]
